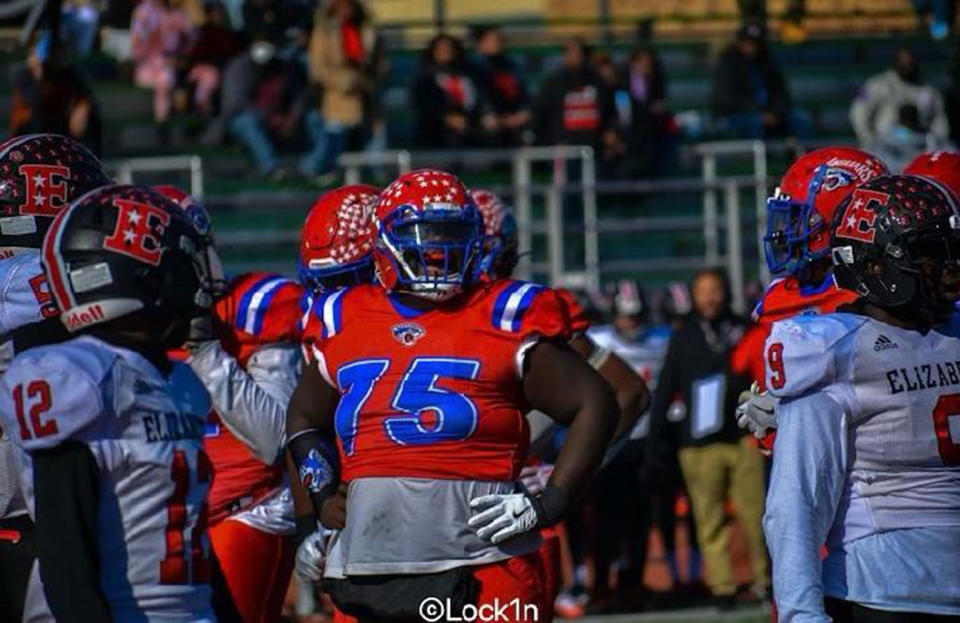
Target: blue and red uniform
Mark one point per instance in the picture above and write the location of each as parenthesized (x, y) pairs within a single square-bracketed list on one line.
[(251, 374), (784, 298), (433, 396)]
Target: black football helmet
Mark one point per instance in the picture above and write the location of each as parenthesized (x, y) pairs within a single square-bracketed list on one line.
[(893, 241), (121, 249), (40, 175)]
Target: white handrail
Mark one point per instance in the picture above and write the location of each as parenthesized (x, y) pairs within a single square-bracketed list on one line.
[(191, 163)]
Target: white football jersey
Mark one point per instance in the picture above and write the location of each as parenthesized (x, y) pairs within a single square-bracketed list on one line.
[(644, 355), (900, 391), (145, 433), (24, 299), (24, 295)]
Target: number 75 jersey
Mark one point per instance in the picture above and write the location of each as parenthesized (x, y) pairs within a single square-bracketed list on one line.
[(145, 433), (434, 394)]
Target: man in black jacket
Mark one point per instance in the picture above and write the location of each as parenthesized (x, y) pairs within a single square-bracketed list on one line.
[(574, 106), (750, 94), (717, 460)]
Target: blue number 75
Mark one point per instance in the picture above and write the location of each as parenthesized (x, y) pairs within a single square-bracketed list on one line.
[(417, 393)]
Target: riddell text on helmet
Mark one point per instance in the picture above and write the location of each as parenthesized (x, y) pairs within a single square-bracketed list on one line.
[(83, 316)]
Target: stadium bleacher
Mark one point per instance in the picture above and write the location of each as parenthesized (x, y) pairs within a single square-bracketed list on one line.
[(245, 204)]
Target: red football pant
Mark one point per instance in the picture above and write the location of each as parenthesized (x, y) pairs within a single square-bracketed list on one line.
[(552, 567), (257, 567), (519, 583)]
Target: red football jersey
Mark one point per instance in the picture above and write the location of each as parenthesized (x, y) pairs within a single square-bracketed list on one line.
[(579, 322), (258, 309), (784, 298), (434, 394)]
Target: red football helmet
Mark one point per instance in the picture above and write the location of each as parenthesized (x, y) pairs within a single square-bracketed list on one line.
[(802, 207), (429, 235), (196, 213), (337, 239), (40, 175), (941, 166), (500, 227)]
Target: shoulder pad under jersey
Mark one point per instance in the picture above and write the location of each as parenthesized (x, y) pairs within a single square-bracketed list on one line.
[(529, 309), (52, 393), (806, 352)]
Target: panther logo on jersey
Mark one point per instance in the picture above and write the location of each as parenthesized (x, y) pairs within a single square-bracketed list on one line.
[(408, 333), (314, 472), (137, 232)]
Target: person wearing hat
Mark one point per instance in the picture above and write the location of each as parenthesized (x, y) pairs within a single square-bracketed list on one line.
[(750, 95)]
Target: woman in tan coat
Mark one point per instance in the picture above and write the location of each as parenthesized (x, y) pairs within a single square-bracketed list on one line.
[(346, 64)]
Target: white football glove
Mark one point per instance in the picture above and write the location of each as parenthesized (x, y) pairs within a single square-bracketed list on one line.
[(311, 555), (757, 411), (534, 477), (499, 517)]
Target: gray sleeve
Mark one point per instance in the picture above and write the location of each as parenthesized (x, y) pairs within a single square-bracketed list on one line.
[(252, 403), (809, 471)]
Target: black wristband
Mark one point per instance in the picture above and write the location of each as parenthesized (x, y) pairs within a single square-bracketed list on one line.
[(550, 505), (318, 465), (306, 525)]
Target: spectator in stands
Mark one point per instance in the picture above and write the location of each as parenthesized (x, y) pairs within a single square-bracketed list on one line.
[(347, 63), (750, 96), (500, 78), (897, 115), (215, 44), (952, 95), (160, 34), (718, 461), (79, 20), (575, 107), (649, 134), (52, 95), (265, 101), (941, 16), (265, 17), (452, 110)]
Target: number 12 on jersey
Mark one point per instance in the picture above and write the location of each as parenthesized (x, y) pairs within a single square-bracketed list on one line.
[(417, 393), (173, 567)]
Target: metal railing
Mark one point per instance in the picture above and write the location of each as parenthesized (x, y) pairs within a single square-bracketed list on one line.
[(555, 193), (521, 161), (713, 223), (193, 164)]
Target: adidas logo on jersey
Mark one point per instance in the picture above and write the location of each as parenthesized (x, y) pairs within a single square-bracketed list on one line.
[(884, 343)]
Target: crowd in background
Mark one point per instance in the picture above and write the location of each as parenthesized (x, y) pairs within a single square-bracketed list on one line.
[(305, 76)]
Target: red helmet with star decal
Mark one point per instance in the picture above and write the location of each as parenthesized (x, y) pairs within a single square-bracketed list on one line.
[(942, 166), (40, 175), (802, 207), (429, 235), (894, 240), (501, 241), (124, 249), (336, 243), (213, 274)]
